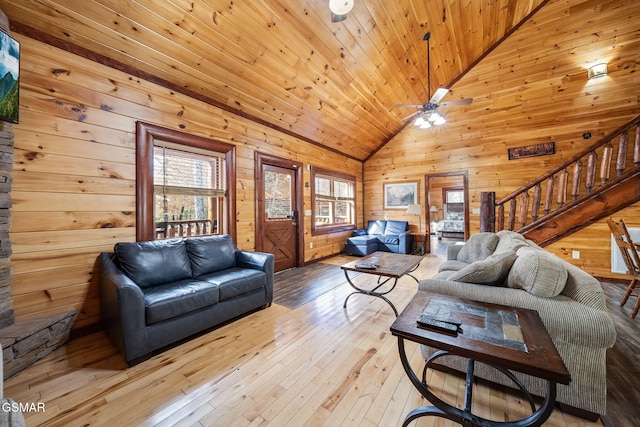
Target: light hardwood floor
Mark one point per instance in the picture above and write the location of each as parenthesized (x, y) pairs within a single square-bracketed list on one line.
[(317, 365)]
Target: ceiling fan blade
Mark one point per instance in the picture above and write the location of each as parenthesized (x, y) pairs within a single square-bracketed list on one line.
[(440, 93), (410, 106), (404, 119), (464, 101)]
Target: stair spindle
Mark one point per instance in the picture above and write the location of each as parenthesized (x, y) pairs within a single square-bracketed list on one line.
[(592, 164), (548, 201), (561, 198), (636, 147), (605, 168), (575, 184), (512, 213), (524, 207), (621, 160), (535, 208), (501, 217)]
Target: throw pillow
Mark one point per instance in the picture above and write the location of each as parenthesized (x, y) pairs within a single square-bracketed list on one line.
[(510, 240), (478, 247), (537, 272), (490, 271)]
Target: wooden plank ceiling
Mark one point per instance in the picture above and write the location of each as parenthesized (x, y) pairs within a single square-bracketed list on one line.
[(285, 64)]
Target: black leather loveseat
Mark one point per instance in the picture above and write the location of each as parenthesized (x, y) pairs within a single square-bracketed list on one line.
[(159, 292)]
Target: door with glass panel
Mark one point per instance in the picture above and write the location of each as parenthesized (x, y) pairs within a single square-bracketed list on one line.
[(279, 215)]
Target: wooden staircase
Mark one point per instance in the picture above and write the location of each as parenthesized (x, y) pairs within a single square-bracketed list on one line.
[(576, 194)]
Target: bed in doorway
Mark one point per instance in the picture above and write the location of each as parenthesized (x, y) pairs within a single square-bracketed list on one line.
[(450, 228)]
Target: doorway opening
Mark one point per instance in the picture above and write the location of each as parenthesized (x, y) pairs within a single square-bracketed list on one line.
[(447, 210)]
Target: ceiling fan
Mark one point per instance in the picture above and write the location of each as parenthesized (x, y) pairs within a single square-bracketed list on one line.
[(427, 114), (339, 9)]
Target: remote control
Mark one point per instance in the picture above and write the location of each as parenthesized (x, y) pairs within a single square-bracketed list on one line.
[(367, 266), (451, 320), (438, 325)]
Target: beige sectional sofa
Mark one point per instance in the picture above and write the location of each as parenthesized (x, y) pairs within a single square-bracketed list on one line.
[(505, 268)]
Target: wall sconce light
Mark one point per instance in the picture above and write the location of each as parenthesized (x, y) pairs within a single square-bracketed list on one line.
[(597, 70)]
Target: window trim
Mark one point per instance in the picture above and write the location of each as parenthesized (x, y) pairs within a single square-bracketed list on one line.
[(146, 134), (331, 228)]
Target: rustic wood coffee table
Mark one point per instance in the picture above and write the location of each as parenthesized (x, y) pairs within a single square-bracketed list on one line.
[(506, 338), (389, 266)]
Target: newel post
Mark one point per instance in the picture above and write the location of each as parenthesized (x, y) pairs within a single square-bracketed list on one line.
[(488, 211)]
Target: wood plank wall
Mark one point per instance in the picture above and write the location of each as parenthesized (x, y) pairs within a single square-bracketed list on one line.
[(74, 173), (499, 175)]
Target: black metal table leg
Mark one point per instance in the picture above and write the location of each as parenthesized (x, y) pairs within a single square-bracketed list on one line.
[(464, 416), (373, 292)]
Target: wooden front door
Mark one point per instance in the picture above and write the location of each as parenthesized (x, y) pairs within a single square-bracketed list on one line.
[(278, 215)]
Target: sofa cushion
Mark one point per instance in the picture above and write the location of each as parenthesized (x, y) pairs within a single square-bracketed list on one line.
[(177, 298), (452, 265), (444, 275), (537, 272), (489, 271), (478, 247), (389, 240), (154, 263), (376, 227), (236, 281), (211, 253), (362, 240), (395, 228)]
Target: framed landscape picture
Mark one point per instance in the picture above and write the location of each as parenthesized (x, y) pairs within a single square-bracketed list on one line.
[(9, 77), (399, 195)]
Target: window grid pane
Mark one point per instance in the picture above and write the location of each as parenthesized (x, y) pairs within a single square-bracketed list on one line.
[(189, 188), (334, 201), (277, 194)]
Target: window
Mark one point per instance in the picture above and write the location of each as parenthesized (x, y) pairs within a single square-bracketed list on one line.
[(333, 201), (185, 184), (189, 189), (454, 203), (454, 196)]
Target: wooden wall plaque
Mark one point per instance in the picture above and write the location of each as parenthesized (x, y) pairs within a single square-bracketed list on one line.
[(532, 150)]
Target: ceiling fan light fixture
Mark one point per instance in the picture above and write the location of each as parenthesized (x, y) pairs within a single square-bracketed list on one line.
[(425, 124), (340, 7), (437, 119), (434, 117), (419, 121)]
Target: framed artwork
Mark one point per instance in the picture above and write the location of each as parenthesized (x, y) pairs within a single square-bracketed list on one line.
[(399, 195), (9, 77), (543, 149)]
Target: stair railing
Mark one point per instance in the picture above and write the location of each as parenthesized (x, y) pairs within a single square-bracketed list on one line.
[(578, 177)]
